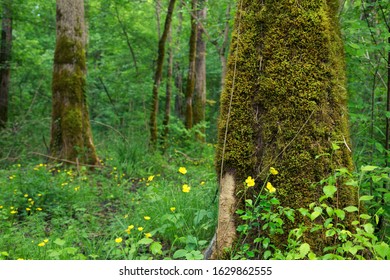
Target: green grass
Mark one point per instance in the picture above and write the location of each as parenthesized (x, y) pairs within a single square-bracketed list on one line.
[(132, 208)]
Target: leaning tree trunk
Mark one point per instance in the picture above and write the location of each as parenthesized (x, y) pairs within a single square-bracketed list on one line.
[(283, 106), (71, 137), (5, 57)]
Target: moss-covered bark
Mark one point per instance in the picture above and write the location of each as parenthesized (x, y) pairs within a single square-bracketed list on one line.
[(284, 102), (71, 137)]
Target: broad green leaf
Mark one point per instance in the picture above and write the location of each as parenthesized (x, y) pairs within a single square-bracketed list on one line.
[(368, 228), (145, 241), (59, 242), (340, 213), (365, 216), (350, 209), (180, 254), (366, 197), (304, 249), (382, 250), (314, 215), (367, 168), (329, 190), (155, 248)]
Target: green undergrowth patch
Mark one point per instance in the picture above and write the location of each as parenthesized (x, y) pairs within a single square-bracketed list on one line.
[(148, 209)]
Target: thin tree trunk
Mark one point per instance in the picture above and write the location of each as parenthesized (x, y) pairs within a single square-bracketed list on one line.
[(71, 136), (5, 57), (191, 68), (168, 96), (158, 74), (200, 71)]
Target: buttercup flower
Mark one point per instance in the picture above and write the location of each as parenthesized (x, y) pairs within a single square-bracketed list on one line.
[(250, 182), (183, 170), (273, 171), (41, 244), (172, 209), (140, 228), (118, 240), (147, 218), (148, 235), (129, 228), (150, 178), (186, 188), (270, 188)]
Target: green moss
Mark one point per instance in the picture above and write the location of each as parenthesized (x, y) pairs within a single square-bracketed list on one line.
[(288, 101)]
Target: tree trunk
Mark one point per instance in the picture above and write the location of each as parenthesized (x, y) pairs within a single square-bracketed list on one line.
[(158, 74), (200, 70), (5, 57), (71, 136), (283, 106), (189, 118)]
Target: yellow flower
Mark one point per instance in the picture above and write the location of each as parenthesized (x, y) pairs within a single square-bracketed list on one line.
[(150, 178), (28, 209), (202, 183), (46, 240), (140, 228), (183, 170), (39, 194), (14, 212), (129, 228), (147, 218), (77, 188), (39, 209), (270, 188), (1, 206), (41, 244), (186, 188), (172, 209), (20, 259), (118, 240), (250, 182), (273, 171), (148, 235), (26, 195)]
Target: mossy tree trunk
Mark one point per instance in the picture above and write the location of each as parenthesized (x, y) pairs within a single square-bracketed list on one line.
[(5, 57), (71, 136), (199, 100), (189, 116), (283, 106), (158, 74)]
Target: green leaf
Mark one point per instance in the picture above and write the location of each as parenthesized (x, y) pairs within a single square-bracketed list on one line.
[(367, 168), (366, 197), (340, 213), (368, 228), (304, 249), (330, 232), (382, 250), (145, 241), (365, 216), (329, 190), (59, 242), (314, 215), (267, 254), (330, 211), (155, 248), (335, 147), (5, 254), (351, 209), (181, 253)]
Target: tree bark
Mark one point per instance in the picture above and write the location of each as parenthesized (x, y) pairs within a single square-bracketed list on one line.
[(199, 105), (158, 74), (5, 58), (71, 136), (189, 122), (283, 106)]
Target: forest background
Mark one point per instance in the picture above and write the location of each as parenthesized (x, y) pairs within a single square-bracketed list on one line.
[(148, 203)]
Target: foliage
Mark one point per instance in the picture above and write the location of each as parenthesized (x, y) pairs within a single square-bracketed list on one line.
[(266, 218)]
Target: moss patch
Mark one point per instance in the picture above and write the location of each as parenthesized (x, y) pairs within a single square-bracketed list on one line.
[(288, 101)]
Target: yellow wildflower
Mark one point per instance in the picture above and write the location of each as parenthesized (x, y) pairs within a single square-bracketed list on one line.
[(39, 209), (186, 188), (147, 218), (118, 240), (273, 171), (41, 244), (148, 235), (129, 228), (183, 170), (172, 209), (270, 188), (14, 212), (250, 182), (150, 178), (1, 206), (202, 183), (26, 195), (46, 240), (28, 209), (140, 228)]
